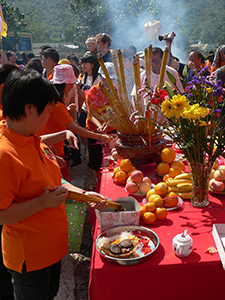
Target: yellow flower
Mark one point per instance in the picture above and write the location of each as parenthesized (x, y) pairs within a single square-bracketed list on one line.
[(209, 90), (180, 103), (168, 108), (195, 112)]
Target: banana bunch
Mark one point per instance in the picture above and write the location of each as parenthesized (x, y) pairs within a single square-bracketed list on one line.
[(181, 185)]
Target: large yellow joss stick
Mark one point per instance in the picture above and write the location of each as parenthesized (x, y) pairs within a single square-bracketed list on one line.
[(137, 81), (149, 83), (123, 82), (161, 77), (150, 64), (109, 81), (146, 57), (118, 83), (147, 113), (163, 68)]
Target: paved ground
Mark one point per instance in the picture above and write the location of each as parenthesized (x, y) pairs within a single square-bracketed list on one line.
[(75, 267)]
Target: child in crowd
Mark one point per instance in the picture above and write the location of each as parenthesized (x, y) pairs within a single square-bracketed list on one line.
[(91, 44)]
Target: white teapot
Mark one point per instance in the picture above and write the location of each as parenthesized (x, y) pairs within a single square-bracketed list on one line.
[(182, 244)]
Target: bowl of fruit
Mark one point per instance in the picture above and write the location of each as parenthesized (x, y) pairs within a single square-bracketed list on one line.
[(160, 200), (217, 178), (137, 184), (122, 172)]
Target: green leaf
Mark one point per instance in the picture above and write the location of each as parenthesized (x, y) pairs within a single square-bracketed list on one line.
[(185, 71), (172, 79), (168, 87)]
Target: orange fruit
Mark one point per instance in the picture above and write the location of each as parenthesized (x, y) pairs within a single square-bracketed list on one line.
[(131, 170), (120, 176), (163, 168), (150, 206), (178, 163), (156, 199), (149, 217), (161, 189), (161, 213), (142, 211), (171, 199), (150, 192), (125, 165), (168, 155), (174, 171), (116, 170)]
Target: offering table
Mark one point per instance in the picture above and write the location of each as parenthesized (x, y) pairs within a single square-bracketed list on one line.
[(164, 275)]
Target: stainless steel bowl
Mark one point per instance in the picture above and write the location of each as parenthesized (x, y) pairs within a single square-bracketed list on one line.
[(129, 261)]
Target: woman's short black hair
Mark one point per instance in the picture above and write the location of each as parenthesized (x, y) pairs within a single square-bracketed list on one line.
[(35, 64), (5, 70), (26, 87)]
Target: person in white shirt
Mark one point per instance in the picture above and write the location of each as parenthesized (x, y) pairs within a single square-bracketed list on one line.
[(157, 55)]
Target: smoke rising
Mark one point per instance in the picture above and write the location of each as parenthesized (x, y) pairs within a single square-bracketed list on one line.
[(129, 26)]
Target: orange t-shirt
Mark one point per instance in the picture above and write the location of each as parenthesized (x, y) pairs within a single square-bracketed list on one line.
[(59, 117), (27, 166), (50, 74), (213, 69), (96, 101)]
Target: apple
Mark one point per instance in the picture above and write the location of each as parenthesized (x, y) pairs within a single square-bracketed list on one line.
[(219, 174), (144, 187), (136, 176), (147, 179), (131, 187), (217, 186), (221, 167)]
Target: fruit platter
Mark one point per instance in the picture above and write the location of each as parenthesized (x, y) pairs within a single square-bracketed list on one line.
[(127, 245)]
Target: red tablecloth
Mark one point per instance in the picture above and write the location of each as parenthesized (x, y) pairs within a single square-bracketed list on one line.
[(164, 275)]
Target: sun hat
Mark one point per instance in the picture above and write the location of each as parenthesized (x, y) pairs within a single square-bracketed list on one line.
[(64, 61), (63, 74), (110, 68)]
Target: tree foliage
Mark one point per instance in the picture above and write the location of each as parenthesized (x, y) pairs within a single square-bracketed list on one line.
[(75, 20), (15, 21)]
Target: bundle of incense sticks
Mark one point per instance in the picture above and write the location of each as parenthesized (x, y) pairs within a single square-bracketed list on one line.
[(117, 115), (87, 198)]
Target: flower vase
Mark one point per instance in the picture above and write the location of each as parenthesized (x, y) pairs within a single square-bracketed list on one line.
[(200, 177)]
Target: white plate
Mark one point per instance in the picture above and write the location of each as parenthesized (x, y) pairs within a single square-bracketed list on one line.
[(220, 193)]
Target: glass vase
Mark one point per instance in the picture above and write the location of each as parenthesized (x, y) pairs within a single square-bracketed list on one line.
[(200, 176)]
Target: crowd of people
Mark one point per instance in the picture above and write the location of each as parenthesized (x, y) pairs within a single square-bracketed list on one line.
[(47, 109)]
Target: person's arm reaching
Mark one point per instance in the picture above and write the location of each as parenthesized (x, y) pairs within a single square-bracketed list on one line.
[(104, 138), (53, 138)]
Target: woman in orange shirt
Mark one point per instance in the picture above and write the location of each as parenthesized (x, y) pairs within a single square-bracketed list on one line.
[(35, 229)]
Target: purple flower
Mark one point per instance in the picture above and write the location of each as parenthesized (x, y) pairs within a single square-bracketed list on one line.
[(203, 70)]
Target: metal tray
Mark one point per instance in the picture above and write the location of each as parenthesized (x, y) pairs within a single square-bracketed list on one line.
[(144, 231)]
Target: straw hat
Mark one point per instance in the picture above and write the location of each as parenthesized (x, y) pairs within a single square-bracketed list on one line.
[(63, 74), (64, 61)]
